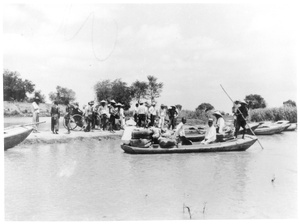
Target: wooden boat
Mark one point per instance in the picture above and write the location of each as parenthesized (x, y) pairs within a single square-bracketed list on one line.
[(253, 126), (231, 145), (15, 135), (269, 129), (195, 137), (292, 127)]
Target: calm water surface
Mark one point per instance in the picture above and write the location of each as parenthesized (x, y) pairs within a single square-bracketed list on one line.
[(95, 180)]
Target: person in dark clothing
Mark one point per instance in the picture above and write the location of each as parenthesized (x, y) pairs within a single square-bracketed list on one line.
[(68, 115), (172, 117), (241, 115), (113, 115), (55, 115)]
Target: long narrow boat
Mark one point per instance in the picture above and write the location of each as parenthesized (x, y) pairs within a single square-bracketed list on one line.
[(269, 129), (232, 145), (253, 126), (292, 127), (16, 135)]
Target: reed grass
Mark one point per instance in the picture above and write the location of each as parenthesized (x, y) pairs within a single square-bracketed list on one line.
[(274, 114)]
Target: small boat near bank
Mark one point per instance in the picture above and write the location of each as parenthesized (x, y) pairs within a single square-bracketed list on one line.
[(231, 145), (15, 135), (269, 129)]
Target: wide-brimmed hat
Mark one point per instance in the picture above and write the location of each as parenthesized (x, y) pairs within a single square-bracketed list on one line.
[(217, 113), (118, 104), (36, 98), (210, 119), (103, 101), (108, 105), (162, 105), (243, 101), (91, 103), (112, 101)]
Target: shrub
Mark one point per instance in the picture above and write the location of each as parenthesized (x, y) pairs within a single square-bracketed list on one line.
[(274, 114)]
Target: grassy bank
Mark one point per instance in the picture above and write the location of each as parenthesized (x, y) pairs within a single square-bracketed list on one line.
[(274, 114)]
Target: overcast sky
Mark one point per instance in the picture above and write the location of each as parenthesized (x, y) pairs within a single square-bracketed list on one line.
[(191, 48)]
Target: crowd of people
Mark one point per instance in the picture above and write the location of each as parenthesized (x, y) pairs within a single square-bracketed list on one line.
[(109, 116)]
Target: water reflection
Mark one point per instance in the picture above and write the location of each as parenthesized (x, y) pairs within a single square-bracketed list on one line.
[(94, 180)]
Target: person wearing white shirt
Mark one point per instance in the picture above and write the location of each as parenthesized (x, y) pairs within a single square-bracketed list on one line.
[(220, 122), (162, 116), (153, 113), (104, 114), (35, 113), (142, 111), (210, 134), (180, 133)]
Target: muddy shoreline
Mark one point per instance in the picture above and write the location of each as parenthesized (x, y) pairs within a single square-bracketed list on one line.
[(49, 138)]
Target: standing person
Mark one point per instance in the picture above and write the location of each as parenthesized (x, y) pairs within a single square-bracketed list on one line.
[(136, 113), (220, 122), (68, 116), (35, 113), (142, 111), (153, 113), (241, 115), (172, 117), (113, 114), (234, 111), (162, 113), (88, 114), (55, 115), (210, 133), (103, 113), (122, 116)]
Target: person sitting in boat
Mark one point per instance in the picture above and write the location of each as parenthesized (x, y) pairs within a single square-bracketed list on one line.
[(180, 133), (210, 133), (241, 115), (220, 122)]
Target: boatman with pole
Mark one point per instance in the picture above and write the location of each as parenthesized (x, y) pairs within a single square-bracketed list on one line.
[(241, 115)]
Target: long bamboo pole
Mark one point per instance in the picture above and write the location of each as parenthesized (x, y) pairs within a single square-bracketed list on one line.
[(243, 117)]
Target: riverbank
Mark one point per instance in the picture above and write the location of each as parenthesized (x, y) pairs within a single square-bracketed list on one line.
[(46, 137)]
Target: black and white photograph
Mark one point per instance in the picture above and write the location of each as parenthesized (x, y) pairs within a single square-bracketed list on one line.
[(150, 111)]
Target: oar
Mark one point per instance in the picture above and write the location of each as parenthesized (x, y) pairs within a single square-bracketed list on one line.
[(22, 125), (242, 116)]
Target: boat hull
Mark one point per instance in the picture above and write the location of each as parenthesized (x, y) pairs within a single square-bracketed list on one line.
[(233, 145), (15, 136), (269, 130)]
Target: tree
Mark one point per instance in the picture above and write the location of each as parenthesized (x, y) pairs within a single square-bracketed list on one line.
[(62, 95), (14, 88), (255, 101), (121, 93), (289, 103), (178, 106), (139, 90), (103, 90), (154, 88), (38, 94), (116, 90), (204, 107)]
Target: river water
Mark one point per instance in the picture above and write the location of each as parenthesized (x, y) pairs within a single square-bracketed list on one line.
[(95, 180)]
